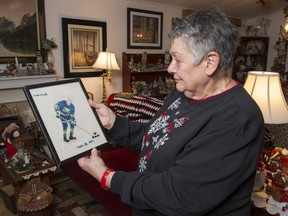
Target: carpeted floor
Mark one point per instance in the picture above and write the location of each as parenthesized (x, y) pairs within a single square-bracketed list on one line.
[(71, 200), (68, 200)]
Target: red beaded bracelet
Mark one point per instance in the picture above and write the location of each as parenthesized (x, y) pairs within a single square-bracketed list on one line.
[(104, 179)]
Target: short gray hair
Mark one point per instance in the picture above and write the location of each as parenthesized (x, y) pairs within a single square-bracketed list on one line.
[(205, 31)]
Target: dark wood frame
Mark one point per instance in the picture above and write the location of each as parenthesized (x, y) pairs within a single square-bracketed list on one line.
[(91, 134), (132, 13), (85, 25), (41, 37)]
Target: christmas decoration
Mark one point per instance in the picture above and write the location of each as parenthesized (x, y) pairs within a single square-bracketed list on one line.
[(276, 167), (8, 133), (262, 2)]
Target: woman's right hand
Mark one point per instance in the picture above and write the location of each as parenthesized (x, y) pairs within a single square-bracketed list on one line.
[(106, 115)]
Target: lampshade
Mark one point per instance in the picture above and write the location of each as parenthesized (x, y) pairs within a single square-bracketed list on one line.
[(106, 61), (265, 88)]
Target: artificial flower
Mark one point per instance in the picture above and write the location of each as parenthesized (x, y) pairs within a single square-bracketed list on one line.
[(48, 44)]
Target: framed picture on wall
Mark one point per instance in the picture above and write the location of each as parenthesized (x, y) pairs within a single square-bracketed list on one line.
[(70, 126), (82, 42), (144, 29), (23, 31)]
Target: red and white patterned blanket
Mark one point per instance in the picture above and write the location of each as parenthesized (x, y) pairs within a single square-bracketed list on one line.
[(137, 108)]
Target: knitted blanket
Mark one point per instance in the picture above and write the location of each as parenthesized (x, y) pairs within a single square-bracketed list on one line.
[(137, 108)]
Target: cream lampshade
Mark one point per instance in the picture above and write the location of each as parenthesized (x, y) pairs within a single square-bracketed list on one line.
[(265, 88), (106, 61)]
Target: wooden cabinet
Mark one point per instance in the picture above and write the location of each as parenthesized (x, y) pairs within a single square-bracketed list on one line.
[(146, 74), (251, 55)]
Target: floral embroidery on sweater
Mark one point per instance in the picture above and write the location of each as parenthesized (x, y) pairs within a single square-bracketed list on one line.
[(158, 133)]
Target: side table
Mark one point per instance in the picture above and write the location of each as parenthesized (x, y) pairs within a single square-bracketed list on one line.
[(18, 180)]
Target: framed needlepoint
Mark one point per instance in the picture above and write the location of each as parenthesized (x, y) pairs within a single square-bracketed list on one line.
[(69, 124)]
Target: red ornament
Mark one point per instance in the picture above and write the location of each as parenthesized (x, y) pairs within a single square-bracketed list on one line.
[(262, 2)]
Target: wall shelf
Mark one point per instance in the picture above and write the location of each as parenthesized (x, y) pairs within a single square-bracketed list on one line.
[(20, 82)]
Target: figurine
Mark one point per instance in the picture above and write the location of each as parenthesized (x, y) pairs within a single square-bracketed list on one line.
[(131, 64), (7, 134), (144, 61), (167, 58)]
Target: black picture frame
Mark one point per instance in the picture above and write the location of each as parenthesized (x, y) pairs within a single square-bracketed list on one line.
[(40, 31), (139, 37), (48, 102), (79, 37)]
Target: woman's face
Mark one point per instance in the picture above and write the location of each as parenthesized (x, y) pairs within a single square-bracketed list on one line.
[(189, 78)]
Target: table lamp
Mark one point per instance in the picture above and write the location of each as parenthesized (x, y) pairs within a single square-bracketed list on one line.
[(265, 88), (106, 61)]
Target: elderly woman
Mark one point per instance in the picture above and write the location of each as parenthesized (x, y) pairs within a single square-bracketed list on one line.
[(200, 151)]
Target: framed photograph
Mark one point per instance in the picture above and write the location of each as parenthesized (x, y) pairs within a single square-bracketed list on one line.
[(70, 126), (20, 40), (144, 29), (82, 42)]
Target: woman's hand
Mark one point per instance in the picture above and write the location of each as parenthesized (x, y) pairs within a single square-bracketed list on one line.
[(106, 115), (93, 164)]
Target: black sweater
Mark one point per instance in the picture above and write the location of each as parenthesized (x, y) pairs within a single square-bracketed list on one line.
[(197, 157)]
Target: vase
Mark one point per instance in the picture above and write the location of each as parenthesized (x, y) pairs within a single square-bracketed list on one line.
[(50, 62), (50, 59)]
